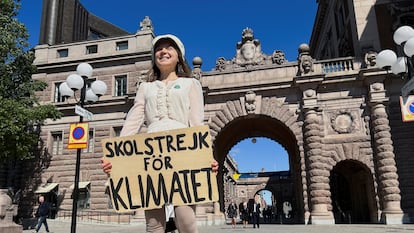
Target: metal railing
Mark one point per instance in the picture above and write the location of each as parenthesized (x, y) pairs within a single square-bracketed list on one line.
[(96, 216)]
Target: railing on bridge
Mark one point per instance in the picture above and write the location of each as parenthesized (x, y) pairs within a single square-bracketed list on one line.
[(96, 216)]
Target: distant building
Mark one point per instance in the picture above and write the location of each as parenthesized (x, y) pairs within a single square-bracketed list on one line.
[(68, 21)]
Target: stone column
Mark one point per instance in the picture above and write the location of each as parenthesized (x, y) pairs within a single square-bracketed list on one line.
[(386, 166), (384, 159), (317, 171)]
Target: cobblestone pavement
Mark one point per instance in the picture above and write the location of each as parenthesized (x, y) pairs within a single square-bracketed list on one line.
[(57, 226)]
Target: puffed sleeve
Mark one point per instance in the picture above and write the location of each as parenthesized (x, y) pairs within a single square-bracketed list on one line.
[(135, 117), (196, 104)]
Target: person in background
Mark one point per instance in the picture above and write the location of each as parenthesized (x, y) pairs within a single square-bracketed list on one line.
[(232, 213), (42, 213), (170, 99), (256, 213), (244, 213)]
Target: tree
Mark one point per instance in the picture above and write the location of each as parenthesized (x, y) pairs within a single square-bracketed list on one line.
[(21, 114)]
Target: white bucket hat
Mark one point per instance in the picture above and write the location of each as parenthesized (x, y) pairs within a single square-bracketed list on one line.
[(171, 37)]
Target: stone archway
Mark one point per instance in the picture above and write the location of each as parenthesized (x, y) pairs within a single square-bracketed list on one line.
[(352, 193), (268, 118)]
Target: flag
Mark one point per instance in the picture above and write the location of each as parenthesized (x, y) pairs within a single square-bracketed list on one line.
[(236, 176)]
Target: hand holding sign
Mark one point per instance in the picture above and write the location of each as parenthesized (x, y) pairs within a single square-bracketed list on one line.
[(149, 170)]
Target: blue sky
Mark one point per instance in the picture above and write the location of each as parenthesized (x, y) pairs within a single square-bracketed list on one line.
[(210, 29)]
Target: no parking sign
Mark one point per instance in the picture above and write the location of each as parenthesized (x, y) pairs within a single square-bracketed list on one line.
[(78, 136), (407, 108)]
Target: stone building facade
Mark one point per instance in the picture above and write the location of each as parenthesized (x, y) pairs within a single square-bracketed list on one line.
[(337, 115)]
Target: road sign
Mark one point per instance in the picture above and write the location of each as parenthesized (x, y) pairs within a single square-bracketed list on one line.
[(78, 136), (83, 112), (407, 88), (407, 108)]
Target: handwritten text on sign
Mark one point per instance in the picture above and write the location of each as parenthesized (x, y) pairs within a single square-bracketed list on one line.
[(149, 170)]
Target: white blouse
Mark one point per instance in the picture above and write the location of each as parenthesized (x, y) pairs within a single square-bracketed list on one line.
[(177, 104)]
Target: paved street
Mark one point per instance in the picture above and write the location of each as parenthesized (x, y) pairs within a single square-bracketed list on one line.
[(64, 227)]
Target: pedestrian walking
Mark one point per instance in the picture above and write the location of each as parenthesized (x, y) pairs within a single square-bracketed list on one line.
[(41, 213)]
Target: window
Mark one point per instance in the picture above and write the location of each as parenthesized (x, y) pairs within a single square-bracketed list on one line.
[(95, 35), (90, 147), (62, 53), (110, 206), (120, 85), (116, 131), (91, 49), (58, 97), (121, 45), (84, 198), (57, 142)]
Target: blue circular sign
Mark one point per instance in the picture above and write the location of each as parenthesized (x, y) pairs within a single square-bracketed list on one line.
[(411, 107), (78, 133)]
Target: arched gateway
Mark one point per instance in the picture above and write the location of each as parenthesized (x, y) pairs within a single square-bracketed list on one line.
[(329, 116)]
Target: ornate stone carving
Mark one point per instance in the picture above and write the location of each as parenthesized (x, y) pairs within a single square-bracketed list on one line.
[(278, 57), (250, 102), (249, 54), (342, 121), (248, 50), (370, 59), (196, 72), (221, 64), (305, 61), (146, 24)]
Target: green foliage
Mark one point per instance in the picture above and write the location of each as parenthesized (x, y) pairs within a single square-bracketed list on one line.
[(20, 113)]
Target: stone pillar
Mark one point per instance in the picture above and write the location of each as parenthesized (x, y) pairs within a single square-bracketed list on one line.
[(317, 170), (7, 211), (384, 159), (386, 166)]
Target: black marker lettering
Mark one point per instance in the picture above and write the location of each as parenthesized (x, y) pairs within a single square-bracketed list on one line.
[(115, 195), (202, 139), (128, 191), (187, 188), (128, 149), (170, 140), (195, 185), (150, 150), (159, 138), (210, 191), (108, 147), (118, 150), (176, 187), (180, 141)]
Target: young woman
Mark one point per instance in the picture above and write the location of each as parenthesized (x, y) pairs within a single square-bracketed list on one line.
[(170, 99)]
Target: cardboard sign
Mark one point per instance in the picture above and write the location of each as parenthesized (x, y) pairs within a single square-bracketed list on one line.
[(149, 170)]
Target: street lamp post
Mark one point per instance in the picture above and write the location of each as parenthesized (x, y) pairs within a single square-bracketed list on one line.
[(387, 59), (75, 82)]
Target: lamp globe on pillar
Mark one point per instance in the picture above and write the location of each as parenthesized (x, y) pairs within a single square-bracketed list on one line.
[(75, 82), (387, 59), (65, 90)]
